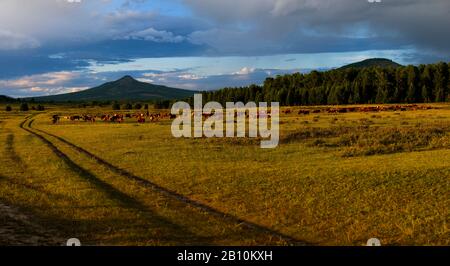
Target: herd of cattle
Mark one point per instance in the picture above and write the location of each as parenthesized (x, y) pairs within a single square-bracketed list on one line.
[(115, 118), (363, 109), (142, 118)]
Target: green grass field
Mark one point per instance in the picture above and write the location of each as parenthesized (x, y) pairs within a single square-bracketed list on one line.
[(335, 179)]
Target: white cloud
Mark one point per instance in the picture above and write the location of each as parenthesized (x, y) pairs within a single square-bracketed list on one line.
[(154, 75), (190, 77), (151, 34), (245, 71), (146, 80), (41, 80), (55, 90), (38, 89), (72, 89)]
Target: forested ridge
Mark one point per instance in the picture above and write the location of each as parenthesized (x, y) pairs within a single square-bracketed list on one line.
[(403, 84)]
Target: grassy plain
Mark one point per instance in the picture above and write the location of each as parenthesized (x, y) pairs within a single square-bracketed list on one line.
[(335, 179)]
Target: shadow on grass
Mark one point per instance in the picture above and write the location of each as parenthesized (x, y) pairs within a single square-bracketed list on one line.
[(121, 198), (247, 226)]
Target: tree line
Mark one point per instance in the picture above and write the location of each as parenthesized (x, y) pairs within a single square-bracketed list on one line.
[(24, 108), (405, 84)]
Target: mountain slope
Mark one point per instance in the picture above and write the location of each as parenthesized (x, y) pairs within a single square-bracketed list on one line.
[(6, 99), (374, 62), (125, 88)]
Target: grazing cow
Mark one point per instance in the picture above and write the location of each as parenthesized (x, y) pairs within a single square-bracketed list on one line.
[(332, 111), (55, 119), (89, 118), (303, 112), (116, 118), (141, 118), (287, 111), (75, 117), (105, 118)]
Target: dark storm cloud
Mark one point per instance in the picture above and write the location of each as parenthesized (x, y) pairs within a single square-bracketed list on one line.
[(16, 65), (49, 35), (233, 27), (326, 26), (50, 59)]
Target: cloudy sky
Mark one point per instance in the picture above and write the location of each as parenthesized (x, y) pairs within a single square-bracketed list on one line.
[(57, 46)]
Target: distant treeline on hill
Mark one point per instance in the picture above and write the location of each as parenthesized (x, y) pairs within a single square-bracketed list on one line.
[(404, 84), (117, 105)]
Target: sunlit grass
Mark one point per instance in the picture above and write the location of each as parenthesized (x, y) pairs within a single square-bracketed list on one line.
[(307, 188)]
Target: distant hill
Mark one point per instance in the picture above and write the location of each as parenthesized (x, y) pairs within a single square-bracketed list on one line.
[(6, 99), (126, 88), (374, 62)]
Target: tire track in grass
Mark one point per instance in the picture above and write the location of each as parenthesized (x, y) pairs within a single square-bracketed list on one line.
[(9, 149), (175, 195), (20, 166), (121, 198)]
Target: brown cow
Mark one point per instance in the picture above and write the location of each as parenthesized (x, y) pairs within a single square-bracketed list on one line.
[(89, 118), (304, 112), (141, 118), (75, 117), (116, 118), (55, 119)]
